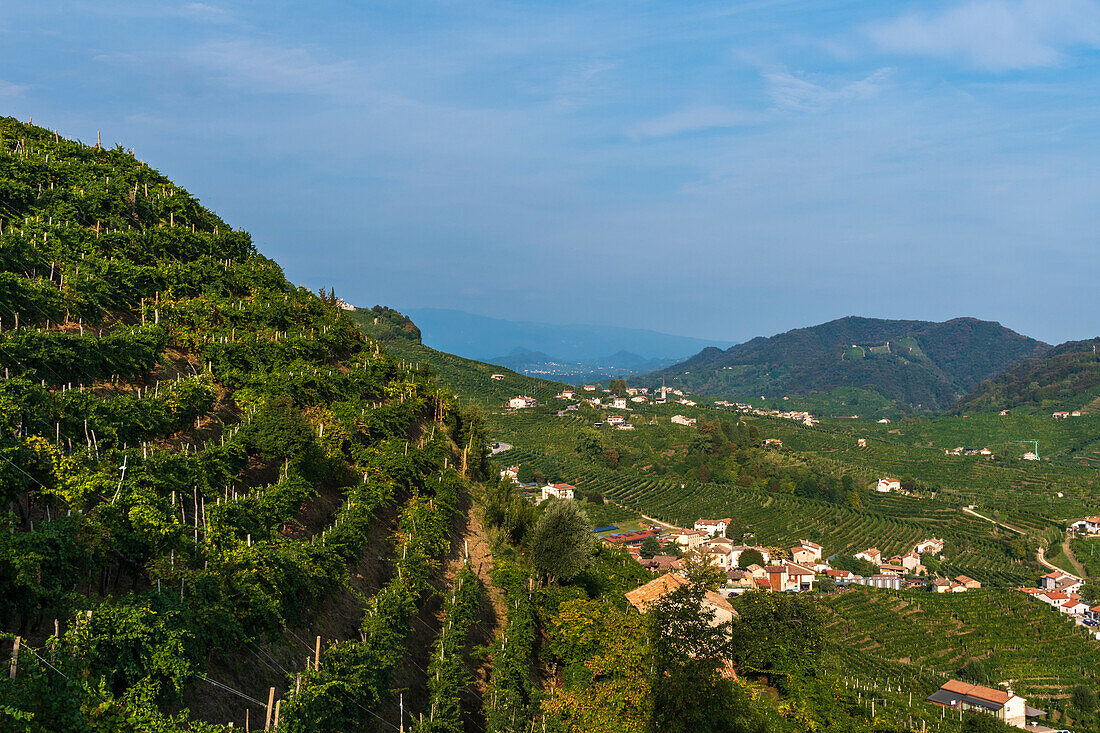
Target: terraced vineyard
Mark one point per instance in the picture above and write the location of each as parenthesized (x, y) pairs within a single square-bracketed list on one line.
[(1039, 652)]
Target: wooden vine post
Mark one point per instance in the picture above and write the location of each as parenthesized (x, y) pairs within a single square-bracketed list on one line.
[(14, 658)]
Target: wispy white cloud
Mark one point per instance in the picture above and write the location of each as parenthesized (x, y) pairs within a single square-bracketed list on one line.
[(994, 35), (790, 91), (271, 69), (204, 11), (691, 119), (8, 89)]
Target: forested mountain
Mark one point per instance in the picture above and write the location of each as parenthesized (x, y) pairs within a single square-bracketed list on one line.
[(1065, 378), (920, 363), (206, 467)]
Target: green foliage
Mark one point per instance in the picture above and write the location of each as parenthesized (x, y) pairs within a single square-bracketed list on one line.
[(780, 635), (974, 671), (1083, 698), (750, 557), (562, 541), (650, 546)]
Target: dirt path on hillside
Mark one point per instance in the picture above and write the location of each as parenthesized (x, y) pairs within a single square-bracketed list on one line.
[(1041, 557), (1009, 527)]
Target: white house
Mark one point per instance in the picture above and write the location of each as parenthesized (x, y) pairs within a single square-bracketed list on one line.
[(871, 555), (565, 394), (1004, 705), (712, 526), (557, 491), (886, 485), (681, 420), (519, 403), (511, 473), (813, 547), (619, 403), (930, 545), (615, 419), (496, 377)]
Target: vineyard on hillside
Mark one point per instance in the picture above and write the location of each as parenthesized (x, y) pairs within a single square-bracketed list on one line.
[(212, 474)]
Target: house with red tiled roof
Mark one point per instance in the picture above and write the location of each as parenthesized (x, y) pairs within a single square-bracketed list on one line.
[(1004, 705)]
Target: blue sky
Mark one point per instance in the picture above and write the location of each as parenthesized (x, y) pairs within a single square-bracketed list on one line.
[(710, 169)]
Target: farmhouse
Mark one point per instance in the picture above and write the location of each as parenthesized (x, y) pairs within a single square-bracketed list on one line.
[(519, 403), (615, 419), (496, 377), (681, 420), (773, 443), (712, 526), (1003, 705), (689, 538), (967, 583), (619, 403), (557, 491), (802, 554), (1060, 581), (1088, 525), (871, 555), (886, 485), (813, 547), (932, 545), (565, 394), (510, 474)]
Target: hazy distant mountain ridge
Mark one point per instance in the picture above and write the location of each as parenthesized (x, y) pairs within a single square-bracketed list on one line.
[(921, 363), (485, 338)]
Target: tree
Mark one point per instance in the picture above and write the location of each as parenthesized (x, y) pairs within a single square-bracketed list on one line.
[(1083, 698), (974, 671), (672, 547), (854, 565), (690, 646), (526, 474), (611, 458), (733, 532), (650, 547), (562, 541), (589, 443), (932, 562), (780, 635), (750, 557), (618, 387)]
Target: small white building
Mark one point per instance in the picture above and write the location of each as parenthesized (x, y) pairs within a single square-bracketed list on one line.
[(510, 474), (886, 485), (681, 420), (619, 403), (712, 526), (557, 491), (496, 377), (519, 403)]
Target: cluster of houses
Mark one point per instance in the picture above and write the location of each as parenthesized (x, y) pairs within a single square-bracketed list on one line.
[(796, 570), (798, 415), (1058, 590), (1064, 415), (961, 451), (681, 420)]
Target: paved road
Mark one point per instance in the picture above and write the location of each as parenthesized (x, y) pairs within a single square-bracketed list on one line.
[(500, 448)]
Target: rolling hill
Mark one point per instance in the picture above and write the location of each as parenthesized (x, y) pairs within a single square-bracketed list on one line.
[(1067, 377), (922, 364)]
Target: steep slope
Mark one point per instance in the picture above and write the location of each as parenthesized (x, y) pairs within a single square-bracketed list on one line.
[(1065, 378), (920, 363), (205, 465)]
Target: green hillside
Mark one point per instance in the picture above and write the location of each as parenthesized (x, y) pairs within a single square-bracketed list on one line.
[(1066, 378), (917, 363), (207, 467)]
